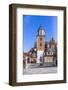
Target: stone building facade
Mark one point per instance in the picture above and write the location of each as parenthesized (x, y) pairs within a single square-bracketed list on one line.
[(47, 51)]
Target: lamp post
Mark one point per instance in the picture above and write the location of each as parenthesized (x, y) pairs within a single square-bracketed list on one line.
[(35, 49)]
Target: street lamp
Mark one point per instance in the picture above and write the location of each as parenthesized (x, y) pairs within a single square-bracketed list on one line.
[(34, 49)]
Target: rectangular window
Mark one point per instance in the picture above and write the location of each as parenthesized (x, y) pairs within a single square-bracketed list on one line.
[(40, 44)]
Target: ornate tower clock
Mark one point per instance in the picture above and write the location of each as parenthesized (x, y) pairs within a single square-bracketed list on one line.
[(40, 43)]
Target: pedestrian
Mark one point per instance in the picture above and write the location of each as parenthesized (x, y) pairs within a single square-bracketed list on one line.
[(40, 60)]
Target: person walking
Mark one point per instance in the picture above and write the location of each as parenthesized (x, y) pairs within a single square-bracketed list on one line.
[(40, 60)]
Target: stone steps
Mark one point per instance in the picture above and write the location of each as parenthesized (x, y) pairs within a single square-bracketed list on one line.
[(37, 65)]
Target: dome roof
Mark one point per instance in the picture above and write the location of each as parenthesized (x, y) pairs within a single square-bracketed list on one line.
[(51, 50), (41, 28)]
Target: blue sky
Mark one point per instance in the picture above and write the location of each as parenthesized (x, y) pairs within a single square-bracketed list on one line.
[(31, 23)]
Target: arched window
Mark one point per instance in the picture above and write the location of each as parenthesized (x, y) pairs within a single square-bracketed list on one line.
[(40, 39)]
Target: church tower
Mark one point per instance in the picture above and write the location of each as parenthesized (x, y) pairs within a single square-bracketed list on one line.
[(40, 43)]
